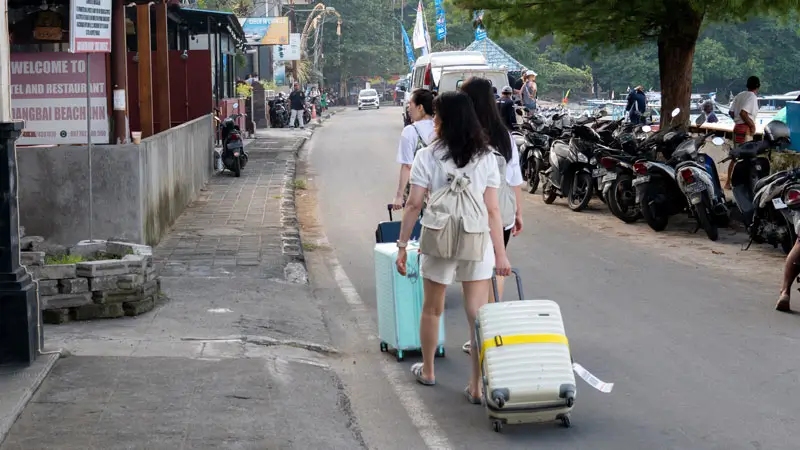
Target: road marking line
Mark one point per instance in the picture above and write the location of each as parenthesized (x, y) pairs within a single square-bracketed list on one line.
[(423, 420), (425, 423)]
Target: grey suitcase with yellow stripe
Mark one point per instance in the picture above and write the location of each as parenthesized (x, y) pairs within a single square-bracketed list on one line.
[(525, 362)]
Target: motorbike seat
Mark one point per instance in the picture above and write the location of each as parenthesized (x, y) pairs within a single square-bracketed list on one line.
[(767, 180), (749, 149)]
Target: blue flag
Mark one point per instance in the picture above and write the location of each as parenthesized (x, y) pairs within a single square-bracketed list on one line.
[(441, 22), (480, 31), (409, 50)]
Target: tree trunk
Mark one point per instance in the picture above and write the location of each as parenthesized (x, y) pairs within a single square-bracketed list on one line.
[(676, 45)]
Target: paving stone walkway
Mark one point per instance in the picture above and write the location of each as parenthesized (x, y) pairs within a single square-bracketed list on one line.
[(240, 226), (236, 356)]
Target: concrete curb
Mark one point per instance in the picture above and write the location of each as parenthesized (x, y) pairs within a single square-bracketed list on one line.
[(296, 270), (40, 369)]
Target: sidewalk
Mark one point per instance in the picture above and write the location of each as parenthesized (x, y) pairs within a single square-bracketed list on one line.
[(235, 356)]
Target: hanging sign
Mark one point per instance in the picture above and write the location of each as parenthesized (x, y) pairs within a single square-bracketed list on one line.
[(441, 22), (90, 26), (289, 52), (266, 30)]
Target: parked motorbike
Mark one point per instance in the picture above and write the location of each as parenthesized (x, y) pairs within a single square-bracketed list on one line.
[(570, 172), (540, 131), (657, 190), (764, 200), (278, 112), (617, 183), (699, 182), (233, 155), (307, 112)]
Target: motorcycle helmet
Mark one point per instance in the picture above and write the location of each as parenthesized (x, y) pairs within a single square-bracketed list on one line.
[(777, 133)]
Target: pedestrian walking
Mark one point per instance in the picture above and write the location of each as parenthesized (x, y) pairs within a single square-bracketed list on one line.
[(529, 92), (500, 140), (413, 138), (297, 101), (506, 107), (460, 154), (744, 109), (637, 105)]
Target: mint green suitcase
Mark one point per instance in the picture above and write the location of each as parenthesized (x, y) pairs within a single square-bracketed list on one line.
[(399, 302)]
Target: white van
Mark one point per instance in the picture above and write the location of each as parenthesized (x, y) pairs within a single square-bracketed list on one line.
[(446, 71)]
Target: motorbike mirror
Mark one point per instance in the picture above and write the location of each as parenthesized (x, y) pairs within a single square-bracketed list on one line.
[(701, 119), (718, 141), (235, 106), (675, 112), (647, 128)]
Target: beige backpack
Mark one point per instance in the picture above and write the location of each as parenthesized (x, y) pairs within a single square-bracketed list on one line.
[(505, 195), (455, 225)]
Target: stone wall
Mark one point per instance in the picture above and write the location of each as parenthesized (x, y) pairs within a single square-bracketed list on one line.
[(138, 190), (101, 289), (174, 166)]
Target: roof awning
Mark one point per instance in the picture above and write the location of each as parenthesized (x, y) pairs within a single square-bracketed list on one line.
[(495, 55), (198, 19)]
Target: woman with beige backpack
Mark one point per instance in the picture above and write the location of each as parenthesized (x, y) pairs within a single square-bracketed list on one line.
[(462, 231), (505, 149)]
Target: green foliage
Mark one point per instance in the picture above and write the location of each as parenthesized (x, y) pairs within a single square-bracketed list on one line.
[(269, 85), (241, 60), (600, 26), (242, 8), (370, 44), (244, 90), (64, 259)]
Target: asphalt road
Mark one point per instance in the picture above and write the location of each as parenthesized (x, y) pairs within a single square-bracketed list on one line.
[(683, 327)]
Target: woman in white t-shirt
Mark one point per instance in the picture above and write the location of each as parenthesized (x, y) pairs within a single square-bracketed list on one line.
[(499, 139), (460, 145), (415, 136)]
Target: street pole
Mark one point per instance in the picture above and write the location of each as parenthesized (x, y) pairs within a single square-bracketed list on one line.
[(119, 73), (89, 143), (20, 339), (293, 24)]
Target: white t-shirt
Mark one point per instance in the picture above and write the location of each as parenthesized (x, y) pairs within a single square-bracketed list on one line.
[(746, 101), (513, 170), (408, 140), (426, 171)]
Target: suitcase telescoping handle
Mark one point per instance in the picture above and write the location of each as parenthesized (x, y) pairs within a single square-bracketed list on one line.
[(517, 279)]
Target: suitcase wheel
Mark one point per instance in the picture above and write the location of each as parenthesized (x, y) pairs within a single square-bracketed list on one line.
[(497, 425), (565, 422), (440, 352), (400, 356), (384, 347)]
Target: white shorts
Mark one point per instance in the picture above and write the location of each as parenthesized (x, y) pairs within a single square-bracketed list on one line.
[(445, 271)]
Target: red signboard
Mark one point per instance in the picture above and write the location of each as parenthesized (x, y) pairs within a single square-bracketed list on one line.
[(48, 92)]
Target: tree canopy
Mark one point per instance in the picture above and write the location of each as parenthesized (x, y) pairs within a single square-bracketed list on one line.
[(674, 26)]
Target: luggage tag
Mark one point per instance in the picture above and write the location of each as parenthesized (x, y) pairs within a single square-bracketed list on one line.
[(592, 380)]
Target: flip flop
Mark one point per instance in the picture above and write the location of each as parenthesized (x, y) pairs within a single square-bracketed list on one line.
[(466, 347), (416, 369), (470, 398), (783, 304)]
